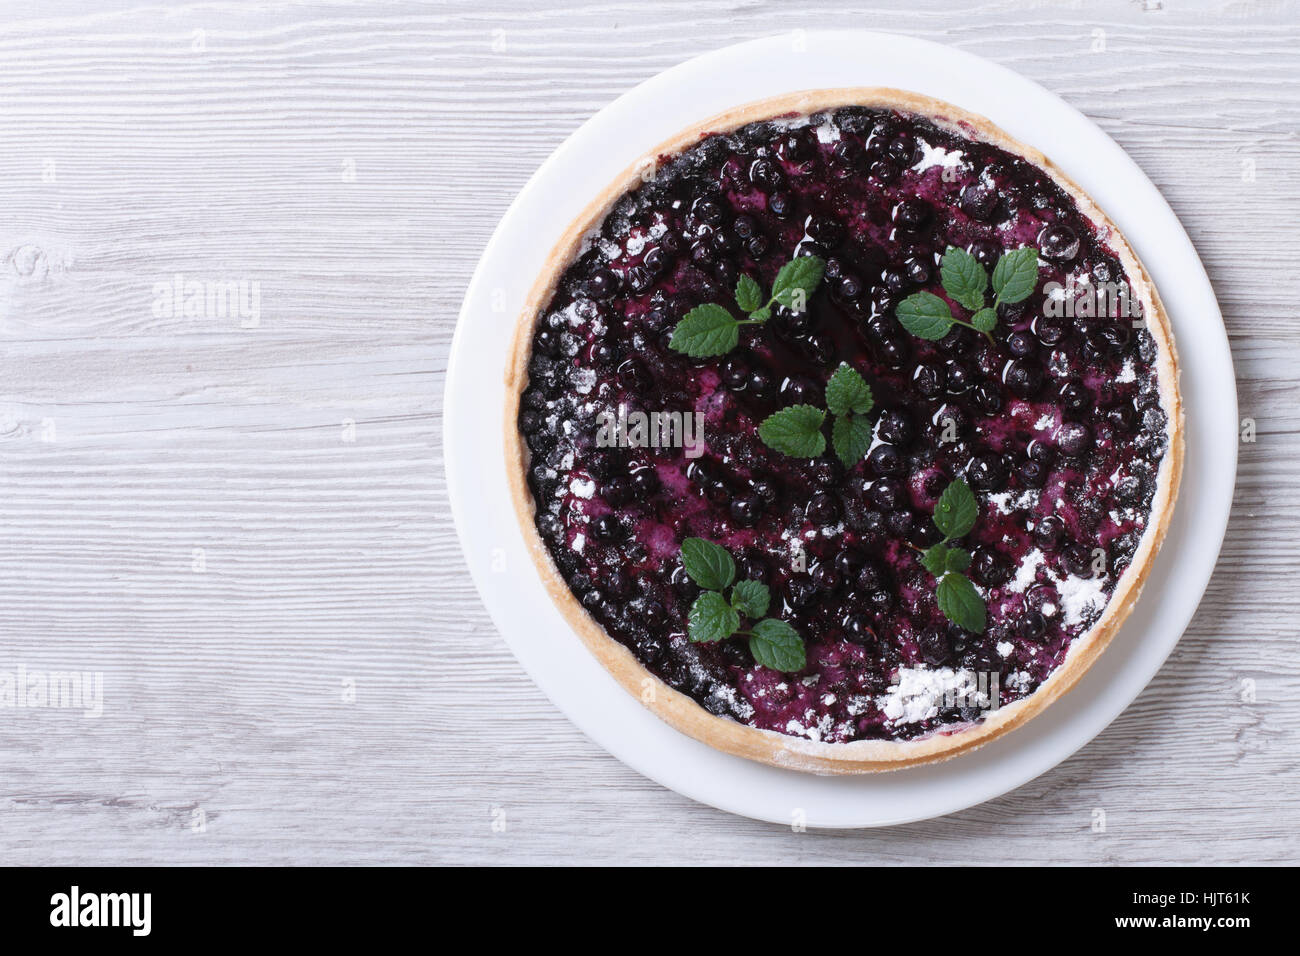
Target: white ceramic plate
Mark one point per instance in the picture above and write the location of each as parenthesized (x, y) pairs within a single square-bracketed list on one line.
[(494, 546)]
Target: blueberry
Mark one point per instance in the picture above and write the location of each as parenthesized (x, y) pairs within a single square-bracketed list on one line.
[(1024, 377), (825, 578), (1074, 438), (896, 280), (934, 645), (857, 628), (886, 460), (796, 146), (547, 341), (761, 382), (870, 577), (1021, 344), (822, 509), (1075, 397), (757, 247), (911, 215), (979, 201), (899, 523), (987, 398), (895, 427), (880, 601), (798, 390), (1121, 417), (1049, 532), (766, 175), (1032, 474), (1031, 626), (708, 211), (655, 260), (606, 528), (928, 380), (847, 562), (799, 592), (884, 171), (746, 509), (1078, 560), (645, 481), (988, 568), (735, 372), (918, 269), (987, 472), (603, 284), (986, 253), (1058, 241), (904, 151), (780, 205), (957, 378), (850, 287), (888, 493), (893, 352), (1050, 330)]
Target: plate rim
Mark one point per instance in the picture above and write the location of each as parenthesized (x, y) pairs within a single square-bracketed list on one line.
[(607, 116)]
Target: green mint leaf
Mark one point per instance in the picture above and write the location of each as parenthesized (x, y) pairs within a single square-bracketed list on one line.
[(708, 564), (749, 294), (777, 645), (960, 602), (925, 315), (751, 598), (704, 331), (801, 275), (711, 618), (958, 559), (955, 513), (762, 314), (935, 559), (1016, 275), (984, 320), (847, 391), (851, 437), (964, 279), (795, 431)]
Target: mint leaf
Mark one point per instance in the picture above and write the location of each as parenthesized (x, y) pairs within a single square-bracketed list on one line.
[(762, 314), (964, 279), (711, 618), (958, 559), (956, 511), (802, 274), (960, 602), (847, 391), (984, 320), (751, 598), (777, 645), (708, 564), (749, 294), (851, 437), (704, 331), (925, 315), (935, 559), (1016, 275), (795, 431)]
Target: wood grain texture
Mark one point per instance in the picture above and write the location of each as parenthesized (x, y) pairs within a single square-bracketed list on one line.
[(219, 141)]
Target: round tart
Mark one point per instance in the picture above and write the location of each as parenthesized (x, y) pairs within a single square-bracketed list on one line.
[(844, 429)]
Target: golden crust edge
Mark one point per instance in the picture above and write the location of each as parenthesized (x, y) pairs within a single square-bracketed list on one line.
[(770, 747)]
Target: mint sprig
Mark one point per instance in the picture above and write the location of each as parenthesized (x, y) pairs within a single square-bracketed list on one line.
[(928, 316), (954, 516), (797, 429), (715, 616), (710, 329)]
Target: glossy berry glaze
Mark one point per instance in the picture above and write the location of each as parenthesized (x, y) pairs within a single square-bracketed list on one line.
[(1056, 425)]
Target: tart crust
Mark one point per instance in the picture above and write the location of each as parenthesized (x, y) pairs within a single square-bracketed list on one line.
[(771, 747)]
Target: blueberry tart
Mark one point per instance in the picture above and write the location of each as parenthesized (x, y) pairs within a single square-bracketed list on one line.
[(844, 430)]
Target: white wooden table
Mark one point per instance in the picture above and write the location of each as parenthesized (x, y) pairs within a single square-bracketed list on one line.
[(243, 525)]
